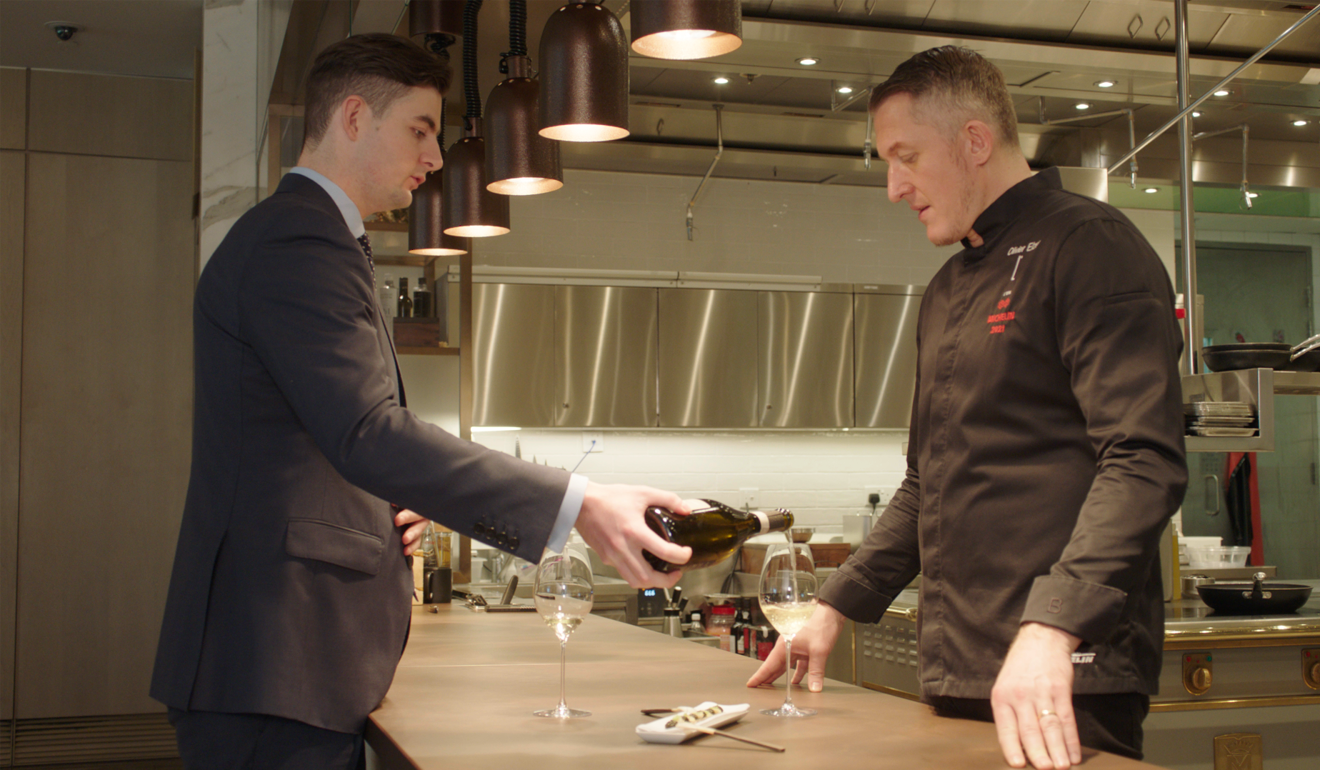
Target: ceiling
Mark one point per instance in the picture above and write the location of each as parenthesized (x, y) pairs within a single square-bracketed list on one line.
[(784, 121)]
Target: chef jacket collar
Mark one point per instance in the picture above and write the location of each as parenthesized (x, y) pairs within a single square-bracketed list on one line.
[(1006, 209), (352, 217)]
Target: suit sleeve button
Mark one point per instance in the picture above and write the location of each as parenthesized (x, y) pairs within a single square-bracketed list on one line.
[(478, 529)]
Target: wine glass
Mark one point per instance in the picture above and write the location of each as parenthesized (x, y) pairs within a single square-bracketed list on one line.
[(563, 598), (788, 597)]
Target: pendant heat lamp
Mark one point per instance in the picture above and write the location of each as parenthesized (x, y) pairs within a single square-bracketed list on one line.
[(426, 235), (469, 209), (519, 161), (685, 29), (584, 73)]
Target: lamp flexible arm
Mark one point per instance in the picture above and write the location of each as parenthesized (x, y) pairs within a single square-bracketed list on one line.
[(471, 91)]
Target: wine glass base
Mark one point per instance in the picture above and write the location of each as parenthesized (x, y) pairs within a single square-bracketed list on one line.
[(562, 712), (788, 710)]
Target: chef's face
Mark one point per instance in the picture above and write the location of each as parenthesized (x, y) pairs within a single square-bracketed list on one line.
[(926, 170), (399, 148)]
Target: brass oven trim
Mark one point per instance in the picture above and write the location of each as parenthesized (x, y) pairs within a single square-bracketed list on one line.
[(892, 691), (1229, 640), (1234, 703)]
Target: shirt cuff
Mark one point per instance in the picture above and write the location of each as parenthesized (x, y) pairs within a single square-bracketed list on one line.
[(1087, 610), (568, 513)]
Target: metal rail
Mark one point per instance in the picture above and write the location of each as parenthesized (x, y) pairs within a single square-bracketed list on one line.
[(1184, 111), (1191, 343), (1246, 133), (1132, 131), (719, 150)]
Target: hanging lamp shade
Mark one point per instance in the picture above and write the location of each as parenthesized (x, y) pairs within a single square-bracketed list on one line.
[(685, 29), (470, 210), (519, 161), (435, 17), (426, 235), (584, 70)]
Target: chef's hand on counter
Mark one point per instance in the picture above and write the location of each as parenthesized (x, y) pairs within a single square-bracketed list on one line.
[(416, 527), (812, 645), (611, 522), (1032, 700)]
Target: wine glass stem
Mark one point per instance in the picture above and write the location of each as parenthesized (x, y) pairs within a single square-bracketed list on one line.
[(563, 667), (788, 681)]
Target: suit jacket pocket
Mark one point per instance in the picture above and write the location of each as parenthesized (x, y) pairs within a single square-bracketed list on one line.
[(334, 544)]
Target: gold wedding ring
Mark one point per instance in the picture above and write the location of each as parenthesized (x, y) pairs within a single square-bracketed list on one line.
[(1046, 713)]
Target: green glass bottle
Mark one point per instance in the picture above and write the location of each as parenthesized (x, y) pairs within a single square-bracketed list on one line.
[(713, 533)]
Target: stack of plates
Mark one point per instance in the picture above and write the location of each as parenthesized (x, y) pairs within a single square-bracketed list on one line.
[(1220, 418)]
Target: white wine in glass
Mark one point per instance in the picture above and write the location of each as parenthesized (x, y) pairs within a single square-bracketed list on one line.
[(563, 598), (788, 597)]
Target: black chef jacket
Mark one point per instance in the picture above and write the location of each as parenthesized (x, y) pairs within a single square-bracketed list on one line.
[(1045, 454)]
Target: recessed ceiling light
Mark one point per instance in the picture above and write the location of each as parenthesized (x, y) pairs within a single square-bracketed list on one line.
[(1152, 190), (1299, 123), (1105, 84), (844, 89), (719, 81), (1223, 92), (808, 61), (1082, 106), (1196, 114)]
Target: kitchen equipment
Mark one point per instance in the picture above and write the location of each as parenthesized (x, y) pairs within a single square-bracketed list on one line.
[(1255, 598), (1246, 355), (1192, 582), (1305, 357), (801, 534), (1210, 557)]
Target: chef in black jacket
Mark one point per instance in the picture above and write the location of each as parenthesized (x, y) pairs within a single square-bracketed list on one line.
[(290, 597), (1046, 442)]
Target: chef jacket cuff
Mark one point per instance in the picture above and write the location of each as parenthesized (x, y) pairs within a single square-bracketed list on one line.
[(856, 600), (1087, 610), (568, 513)]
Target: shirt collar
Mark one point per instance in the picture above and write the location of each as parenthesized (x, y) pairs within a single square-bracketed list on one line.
[(1008, 207), (349, 209)]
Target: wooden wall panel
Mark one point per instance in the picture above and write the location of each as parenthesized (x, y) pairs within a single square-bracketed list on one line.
[(106, 422), (13, 108), (118, 116), (12, 179)]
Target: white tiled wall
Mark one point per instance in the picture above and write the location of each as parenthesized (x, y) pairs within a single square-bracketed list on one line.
[(817, 475)]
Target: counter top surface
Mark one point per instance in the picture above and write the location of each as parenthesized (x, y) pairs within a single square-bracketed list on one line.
[(468, 682)]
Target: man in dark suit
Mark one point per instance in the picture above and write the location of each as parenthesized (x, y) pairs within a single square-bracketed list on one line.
[(290, 597)]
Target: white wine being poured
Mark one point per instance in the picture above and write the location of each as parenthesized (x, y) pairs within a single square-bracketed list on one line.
[(788, 618), (564, 612), (713, 533)]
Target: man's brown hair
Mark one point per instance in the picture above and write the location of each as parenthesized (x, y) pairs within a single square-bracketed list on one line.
[(950, 85), (378, 67)]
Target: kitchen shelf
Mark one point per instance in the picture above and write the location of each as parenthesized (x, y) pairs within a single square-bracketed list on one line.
[(426, 351), (1254, 386)]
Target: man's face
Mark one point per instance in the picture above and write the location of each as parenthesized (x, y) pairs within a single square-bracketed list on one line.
[(927, 170), (399, 148)]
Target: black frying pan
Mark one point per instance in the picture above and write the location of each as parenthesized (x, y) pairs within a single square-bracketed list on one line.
[(1256, 598), (1246, 355)]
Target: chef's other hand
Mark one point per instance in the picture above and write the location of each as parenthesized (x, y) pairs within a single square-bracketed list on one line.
[(1032, 700), (812, 646), (416, 527), (611, 522)]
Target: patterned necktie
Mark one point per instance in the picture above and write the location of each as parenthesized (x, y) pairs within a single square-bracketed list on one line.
[(365, 242)]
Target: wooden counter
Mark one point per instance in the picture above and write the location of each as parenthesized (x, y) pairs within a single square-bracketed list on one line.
[(468, 682)]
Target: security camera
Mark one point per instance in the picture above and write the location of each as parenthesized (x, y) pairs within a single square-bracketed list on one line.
[(62, 29)]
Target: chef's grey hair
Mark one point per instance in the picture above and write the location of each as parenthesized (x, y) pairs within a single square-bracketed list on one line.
[(378, 67), (950, 85)]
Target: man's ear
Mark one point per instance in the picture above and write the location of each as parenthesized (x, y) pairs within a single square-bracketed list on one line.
[(978, 142), (352, 115)]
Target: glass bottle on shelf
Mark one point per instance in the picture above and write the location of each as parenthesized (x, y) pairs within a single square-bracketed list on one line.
[(405, 302), (421, 299), (388, 295)]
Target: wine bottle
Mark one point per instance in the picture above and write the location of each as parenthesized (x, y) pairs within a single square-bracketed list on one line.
[(713, 533), (421, 300), (405, 300)]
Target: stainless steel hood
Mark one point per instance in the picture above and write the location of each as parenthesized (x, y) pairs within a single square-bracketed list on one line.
[(785, 121)]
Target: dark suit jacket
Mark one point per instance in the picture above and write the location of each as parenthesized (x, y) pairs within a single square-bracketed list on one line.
[(290, 594)]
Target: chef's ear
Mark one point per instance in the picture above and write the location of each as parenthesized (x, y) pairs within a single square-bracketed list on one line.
[(978, 141)]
